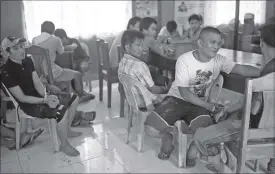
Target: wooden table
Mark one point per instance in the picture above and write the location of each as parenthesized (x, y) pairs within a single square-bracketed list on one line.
[(233, 82)]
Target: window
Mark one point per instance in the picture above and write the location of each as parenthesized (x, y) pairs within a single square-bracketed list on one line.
[(78, 18)]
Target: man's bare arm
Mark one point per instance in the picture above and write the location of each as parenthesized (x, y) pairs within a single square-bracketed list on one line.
[(38, 84), (246, 70), (19, 95)]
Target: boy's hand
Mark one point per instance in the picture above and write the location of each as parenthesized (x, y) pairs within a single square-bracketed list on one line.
[(52, 101), (219, 112), (53, 89)]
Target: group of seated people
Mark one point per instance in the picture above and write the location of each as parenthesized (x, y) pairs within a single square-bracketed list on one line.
[(187, 97)]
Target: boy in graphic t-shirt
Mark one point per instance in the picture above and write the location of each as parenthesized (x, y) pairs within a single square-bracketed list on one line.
[(187, 99)]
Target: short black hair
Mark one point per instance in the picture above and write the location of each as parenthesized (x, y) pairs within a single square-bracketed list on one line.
[(129, 36), (61, 33), (209, 30), (47, 27), (268, 34), (133, 21), (194, 17), (171, 26), (146, 22)]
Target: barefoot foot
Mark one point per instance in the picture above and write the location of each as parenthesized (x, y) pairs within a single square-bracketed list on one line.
[(74, 134), (69, 150)]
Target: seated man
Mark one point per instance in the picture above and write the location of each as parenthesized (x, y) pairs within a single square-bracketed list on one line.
[(132, 65), (133, 24), (192, 34), (205, 137), (168, 33), (22, 81), (148, 27), (48, 41), (188, 97), (81, 59)]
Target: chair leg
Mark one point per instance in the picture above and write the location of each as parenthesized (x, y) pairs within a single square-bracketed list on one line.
[(182, 146), (17, 133), (100, 88), (90, 86), (53, 131), (140, 136), (109, 84), (241, 160), (122, 101), (129, 126)]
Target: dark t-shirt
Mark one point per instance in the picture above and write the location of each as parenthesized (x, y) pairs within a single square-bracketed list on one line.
[(14, 74), (79, 53), (268, 68)]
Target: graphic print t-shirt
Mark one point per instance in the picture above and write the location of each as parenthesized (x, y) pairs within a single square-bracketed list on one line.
[(198, 76)]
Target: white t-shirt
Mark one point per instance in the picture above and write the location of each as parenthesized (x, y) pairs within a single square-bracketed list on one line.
[(198, 76)]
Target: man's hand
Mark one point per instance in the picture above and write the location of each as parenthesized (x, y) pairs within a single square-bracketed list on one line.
[(53, 89), (219, 112), (52, 101)]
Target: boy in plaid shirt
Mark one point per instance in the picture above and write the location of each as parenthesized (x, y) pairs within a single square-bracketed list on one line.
[(133, 65)]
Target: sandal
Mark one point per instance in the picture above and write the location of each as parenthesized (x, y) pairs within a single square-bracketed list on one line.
[(85, 116), (165, 155), (33, 137)]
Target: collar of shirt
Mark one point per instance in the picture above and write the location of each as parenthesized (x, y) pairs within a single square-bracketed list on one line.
[(128, 56), (42, 37)]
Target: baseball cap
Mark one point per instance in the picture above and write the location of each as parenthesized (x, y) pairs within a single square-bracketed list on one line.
[(11, 41), (268, 34)]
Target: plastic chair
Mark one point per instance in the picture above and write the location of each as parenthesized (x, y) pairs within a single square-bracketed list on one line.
[(21, 114), (129, 85), (182, 138)]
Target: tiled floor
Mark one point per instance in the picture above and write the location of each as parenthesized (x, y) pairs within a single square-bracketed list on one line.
[(102, 148)]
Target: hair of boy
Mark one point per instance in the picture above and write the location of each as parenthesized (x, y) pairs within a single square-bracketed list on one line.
[(129, 36), (48, 27), (209, 29), (171, 26), (61, 33), (201, 18), (194, 17), (268, 34), (146, 22), (133, 21)]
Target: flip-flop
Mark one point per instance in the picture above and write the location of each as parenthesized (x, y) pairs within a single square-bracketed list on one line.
[(33, 137), (165, 155), (85, 116)]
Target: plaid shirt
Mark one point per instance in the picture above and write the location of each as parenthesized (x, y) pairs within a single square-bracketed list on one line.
[(137, 70)]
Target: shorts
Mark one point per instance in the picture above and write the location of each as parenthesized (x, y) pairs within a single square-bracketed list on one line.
[(44, 111), (66, 75), (172, 109)]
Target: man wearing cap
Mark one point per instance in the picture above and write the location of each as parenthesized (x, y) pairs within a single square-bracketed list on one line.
[(228, 130), (48, 41), (20, 78)]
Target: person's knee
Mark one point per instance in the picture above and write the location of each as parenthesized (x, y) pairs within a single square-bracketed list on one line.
[(150, 131)]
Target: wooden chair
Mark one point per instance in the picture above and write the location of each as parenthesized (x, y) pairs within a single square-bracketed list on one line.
[(253, 144), (87, 78), (129, 85), (105, 71), (21, 115), (120, 87), (41, 59), (181, 138)]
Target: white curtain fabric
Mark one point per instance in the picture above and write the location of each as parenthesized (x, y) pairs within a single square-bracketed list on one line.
[(221, 12), (78, 18)]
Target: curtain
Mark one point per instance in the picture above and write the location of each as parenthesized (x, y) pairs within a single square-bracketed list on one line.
[(80, 19), (221, 12)]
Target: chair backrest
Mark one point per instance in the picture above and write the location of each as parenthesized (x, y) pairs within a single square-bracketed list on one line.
[(40, 57), (65, 60), (6, 91), (129, 86), (103, 54), (119, 53), (266, 127), (85, 48)]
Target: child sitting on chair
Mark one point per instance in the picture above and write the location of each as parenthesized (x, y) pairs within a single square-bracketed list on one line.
[(132, 65), (192, 34)]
